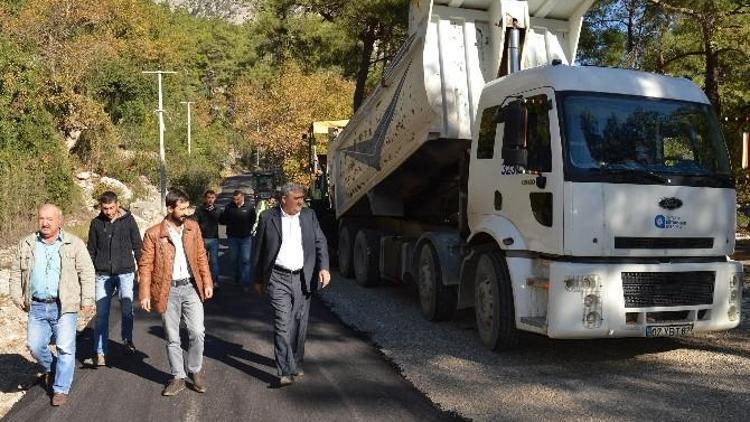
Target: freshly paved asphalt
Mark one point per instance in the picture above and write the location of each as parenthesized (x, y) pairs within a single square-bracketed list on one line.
[(346, 377)]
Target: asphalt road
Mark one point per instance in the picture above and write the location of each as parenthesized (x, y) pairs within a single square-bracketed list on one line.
[(346, 377)]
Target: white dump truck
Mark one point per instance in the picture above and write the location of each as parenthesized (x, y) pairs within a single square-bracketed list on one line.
[(568, 201)]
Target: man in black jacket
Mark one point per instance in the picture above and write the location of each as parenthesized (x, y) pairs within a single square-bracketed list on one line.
[(114, 245), (207, 215), (291, 262), (239, 218)]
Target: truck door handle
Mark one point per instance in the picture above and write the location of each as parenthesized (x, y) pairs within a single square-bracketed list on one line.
[(498, 200)]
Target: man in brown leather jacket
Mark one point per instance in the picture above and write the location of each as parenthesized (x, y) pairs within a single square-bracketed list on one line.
[(175, 278)]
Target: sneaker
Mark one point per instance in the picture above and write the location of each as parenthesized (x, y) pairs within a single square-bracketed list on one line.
[(199, 382), (285, 380), (59, 399), (130, 347), (175, 386), (101, 360), (299, 374)]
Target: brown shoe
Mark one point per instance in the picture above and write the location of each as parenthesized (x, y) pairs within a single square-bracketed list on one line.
[(59, 399), (101, 360), (199, 382), (175, 386)]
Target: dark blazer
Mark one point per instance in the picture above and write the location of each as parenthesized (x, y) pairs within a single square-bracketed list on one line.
[(267, 243)]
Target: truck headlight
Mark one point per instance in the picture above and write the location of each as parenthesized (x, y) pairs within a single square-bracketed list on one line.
[(734, 282), (577, 283), (733, 314), (590, 300)]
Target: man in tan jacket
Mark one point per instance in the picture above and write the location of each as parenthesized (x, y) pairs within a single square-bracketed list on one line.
[(175, 279), (52, 277)]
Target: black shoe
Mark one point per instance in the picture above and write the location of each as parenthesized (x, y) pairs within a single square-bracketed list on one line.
[(130, 347), (199, 382), (175, 386), (285, 380)]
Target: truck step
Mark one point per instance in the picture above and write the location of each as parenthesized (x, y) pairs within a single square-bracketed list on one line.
[(540, 322)]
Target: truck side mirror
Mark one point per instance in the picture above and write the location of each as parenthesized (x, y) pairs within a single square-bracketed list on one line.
[(515, 117)]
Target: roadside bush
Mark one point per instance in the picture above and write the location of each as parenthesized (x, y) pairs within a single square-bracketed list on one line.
[(195, 179), (26, 182)]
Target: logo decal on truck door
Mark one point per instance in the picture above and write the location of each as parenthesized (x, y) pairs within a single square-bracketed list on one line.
[(369, 152)]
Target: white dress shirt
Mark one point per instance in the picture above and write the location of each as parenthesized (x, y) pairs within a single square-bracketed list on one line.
[(290, 255), (180, 267)]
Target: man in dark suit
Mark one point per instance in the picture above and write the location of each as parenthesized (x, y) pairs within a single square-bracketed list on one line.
[(291, 262)]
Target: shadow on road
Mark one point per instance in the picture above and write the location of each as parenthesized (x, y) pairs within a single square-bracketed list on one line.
[(231, 354), (17, 373)]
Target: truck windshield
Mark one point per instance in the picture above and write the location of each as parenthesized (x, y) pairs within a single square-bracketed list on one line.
[(619, 138)]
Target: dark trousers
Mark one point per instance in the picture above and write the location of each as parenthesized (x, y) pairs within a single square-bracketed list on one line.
[(291, 308)]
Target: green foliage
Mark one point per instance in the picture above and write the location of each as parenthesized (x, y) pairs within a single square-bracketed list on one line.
[(72, 94), (195, 178), (33, 165)]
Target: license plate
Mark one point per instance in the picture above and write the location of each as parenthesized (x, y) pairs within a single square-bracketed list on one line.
[(669, 330)]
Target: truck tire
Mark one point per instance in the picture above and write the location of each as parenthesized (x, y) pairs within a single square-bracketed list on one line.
[(493, 303), (344, 252), (437, 300), (366, 257)]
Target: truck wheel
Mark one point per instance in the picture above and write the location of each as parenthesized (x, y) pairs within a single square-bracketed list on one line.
[(346, 239), (438, 301), (493, 303), (366, 257)]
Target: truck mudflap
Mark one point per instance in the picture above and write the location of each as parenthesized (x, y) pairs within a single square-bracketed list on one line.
[(598, 300)]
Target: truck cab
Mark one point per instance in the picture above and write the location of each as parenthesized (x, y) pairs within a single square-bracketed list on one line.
[(610, 193)]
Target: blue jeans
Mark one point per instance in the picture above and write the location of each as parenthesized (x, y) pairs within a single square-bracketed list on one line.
[(212, 248), (239, 255), (105, 285), (45, 320)]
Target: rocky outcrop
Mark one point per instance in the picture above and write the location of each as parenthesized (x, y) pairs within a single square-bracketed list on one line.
[(234, 11)]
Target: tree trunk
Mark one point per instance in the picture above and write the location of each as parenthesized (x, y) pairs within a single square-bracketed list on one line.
[(711, 84), (368, 45)]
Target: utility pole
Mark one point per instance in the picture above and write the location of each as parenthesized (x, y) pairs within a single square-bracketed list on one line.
[(188, 106), (162, 159)]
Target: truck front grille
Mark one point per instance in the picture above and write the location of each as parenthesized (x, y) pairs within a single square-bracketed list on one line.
[(644, 290), (664, 242)]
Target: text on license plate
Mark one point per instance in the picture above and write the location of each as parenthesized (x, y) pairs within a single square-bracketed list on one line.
[(669, 330)]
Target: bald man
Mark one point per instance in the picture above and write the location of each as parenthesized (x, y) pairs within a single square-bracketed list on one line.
[(52, 278)]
